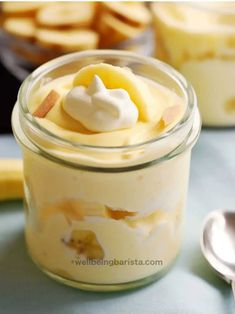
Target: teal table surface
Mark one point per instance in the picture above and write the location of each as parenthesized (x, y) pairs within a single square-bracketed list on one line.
[(190, 287)]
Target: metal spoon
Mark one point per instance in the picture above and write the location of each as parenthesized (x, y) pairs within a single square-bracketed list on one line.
[(218, 244)]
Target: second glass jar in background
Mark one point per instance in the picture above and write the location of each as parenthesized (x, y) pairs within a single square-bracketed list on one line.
[(199, 40)]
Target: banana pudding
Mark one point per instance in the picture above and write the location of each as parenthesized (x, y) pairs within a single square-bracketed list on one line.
[(107, 139), (199, 40)]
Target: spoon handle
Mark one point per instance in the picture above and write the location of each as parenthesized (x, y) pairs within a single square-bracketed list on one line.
[(233, 288)]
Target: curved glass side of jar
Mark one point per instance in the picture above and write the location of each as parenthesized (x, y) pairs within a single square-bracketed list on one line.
[(199, 40), (105, 218)]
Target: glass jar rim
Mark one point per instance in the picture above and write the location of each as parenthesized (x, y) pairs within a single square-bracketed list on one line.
[(26, 86)]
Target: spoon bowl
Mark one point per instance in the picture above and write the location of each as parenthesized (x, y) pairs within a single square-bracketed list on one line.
[(218, 243)]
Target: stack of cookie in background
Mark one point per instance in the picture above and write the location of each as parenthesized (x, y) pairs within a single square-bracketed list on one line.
[(36, 32)]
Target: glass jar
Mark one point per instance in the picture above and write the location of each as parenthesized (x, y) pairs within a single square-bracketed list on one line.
[(140, 189), (199, 40)]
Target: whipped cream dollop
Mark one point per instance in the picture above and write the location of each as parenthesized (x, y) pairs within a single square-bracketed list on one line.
[(100, 109)]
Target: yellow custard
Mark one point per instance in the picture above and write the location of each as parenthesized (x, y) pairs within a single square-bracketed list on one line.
[(60, 123), (199, 40)]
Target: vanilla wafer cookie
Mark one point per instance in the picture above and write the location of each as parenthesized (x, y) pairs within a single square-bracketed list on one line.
[(132, 13), (67, 14), (24, 8), (67, 40), (20, 27), (112, 30)]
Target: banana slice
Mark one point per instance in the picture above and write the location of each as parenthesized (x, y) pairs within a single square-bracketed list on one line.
[(67, 40), (67, 14), (113, 30), (116, 77), (21, 27), (19, 7), (86, 244), (11, 179), (133, 13)]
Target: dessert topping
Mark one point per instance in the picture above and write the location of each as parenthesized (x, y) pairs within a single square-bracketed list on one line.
[(100, 109)]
